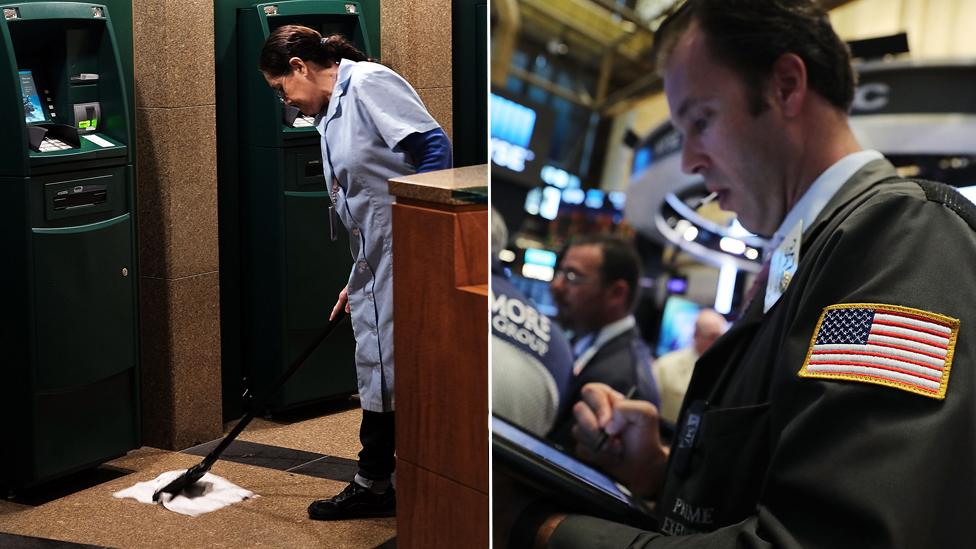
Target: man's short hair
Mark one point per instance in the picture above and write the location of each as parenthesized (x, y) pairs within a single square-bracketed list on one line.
[(748, 36), (620, 261)]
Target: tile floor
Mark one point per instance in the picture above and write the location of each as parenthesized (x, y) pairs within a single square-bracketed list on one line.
[(287, 462)]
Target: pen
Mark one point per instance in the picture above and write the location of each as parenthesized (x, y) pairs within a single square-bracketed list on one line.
[(602, 441), (708, 199)]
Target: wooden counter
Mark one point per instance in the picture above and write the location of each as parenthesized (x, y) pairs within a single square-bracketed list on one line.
[(440, 281)]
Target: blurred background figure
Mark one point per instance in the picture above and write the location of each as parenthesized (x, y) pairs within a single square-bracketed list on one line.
[(531, 361), (672, 371), (594, 289)]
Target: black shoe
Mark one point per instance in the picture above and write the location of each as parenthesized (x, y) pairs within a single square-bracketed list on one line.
[(354, 502)]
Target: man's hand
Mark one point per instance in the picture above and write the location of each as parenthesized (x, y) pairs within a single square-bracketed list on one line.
[(633, 453), (342, 302)]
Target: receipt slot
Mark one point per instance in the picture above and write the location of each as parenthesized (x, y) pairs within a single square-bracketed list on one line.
[(281, 271), (69, 380)]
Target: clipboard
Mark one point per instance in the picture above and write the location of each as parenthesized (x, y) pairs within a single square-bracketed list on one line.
[(564, 478)]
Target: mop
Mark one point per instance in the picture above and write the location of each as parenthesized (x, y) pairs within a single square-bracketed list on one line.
[(195, 491)]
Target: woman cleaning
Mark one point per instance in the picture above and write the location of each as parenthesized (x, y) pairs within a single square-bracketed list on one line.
[(374, 127)]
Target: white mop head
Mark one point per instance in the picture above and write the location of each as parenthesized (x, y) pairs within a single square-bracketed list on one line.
[(207, 494)]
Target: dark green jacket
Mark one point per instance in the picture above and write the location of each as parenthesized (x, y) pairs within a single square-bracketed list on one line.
[(786, 461)]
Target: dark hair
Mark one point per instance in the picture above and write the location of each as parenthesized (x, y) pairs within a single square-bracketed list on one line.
[(620, 261), (306, 44), (750, 35)]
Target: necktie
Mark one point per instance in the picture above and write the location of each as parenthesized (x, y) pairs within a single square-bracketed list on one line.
[(582, 344), (757, 284)]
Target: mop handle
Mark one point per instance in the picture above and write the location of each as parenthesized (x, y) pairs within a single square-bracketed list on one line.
[(278, 383)]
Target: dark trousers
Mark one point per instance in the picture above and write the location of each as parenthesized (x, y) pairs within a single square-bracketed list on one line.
[(377, 433)]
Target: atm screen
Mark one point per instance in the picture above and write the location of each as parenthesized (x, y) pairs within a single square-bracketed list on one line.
[(33, 110), (343, 27)]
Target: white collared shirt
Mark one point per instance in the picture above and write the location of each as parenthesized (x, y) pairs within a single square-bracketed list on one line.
[(600, 339), (820, 192)]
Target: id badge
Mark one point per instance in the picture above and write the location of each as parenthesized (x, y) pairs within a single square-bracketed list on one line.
[(783, 266), (685, 443)]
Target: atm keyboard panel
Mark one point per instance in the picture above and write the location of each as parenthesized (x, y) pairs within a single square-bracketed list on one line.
[(52, 144)]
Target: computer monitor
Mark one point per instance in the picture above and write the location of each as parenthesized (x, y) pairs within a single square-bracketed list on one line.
[(677, 325), (521, 132), (538, 291), (545, 201), (33, 108)]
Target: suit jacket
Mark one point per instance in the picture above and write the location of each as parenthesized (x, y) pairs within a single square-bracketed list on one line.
[(622, 363), (782, 460)]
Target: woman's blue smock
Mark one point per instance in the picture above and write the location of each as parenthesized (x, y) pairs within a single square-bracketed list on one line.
[(371, 111)]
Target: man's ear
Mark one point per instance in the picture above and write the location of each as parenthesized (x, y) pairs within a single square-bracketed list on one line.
[(788, 84), (617, 291)]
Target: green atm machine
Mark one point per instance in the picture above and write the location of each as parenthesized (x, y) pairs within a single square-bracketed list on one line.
[(282, 265), (69, 377)]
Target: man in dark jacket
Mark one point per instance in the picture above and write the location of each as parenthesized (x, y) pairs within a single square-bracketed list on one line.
[(595, 289), (839, 410)]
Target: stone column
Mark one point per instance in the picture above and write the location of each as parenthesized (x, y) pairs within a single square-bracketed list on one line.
[(415, 41), (177, 186)]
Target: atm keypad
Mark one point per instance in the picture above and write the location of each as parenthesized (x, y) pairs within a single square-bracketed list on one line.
[(51, 144)]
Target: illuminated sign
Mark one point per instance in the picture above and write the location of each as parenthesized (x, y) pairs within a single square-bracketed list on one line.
[(521, 132), (543, 201), (539, 264), (617, 198), (512, 125), (661, 143), (871, 97), (594, 199), (533, 200), (510, 156), (536, 256), (556, 177), (549, 206), (574, 196)]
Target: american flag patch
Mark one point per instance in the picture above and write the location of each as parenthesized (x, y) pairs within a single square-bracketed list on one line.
[(889, 345)]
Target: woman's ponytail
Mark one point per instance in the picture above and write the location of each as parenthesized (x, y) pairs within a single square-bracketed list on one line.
[(306, 44), (337, 47)]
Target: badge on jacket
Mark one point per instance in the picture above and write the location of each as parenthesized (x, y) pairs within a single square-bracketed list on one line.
[(900, 347), (783, 266)]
